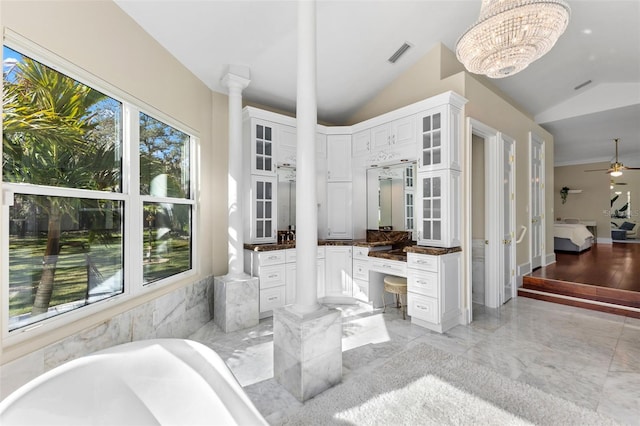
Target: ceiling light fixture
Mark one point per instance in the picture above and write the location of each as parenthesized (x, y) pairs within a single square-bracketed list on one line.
[(510, 34)]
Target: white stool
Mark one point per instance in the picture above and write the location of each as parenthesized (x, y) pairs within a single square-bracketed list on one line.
[(397, 286)]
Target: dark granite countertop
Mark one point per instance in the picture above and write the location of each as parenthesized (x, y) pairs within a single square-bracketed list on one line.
[(396, 254), (433, 251)]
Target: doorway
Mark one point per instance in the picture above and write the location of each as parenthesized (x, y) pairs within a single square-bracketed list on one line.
[(490, 217)]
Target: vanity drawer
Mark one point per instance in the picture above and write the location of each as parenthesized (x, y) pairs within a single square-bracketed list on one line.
[(423, 308), (422, 261), (271, 257), (361, 269), (391, 267), (272, 298), (423, 282), (272, 276), (360, 252)]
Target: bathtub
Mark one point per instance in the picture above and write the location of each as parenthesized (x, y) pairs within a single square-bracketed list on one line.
[(160, 381)]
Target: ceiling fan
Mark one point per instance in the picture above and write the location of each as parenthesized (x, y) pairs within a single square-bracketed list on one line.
[(616, 168)]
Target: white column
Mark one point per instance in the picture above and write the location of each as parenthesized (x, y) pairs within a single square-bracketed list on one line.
[(236, 80), (307, 120)]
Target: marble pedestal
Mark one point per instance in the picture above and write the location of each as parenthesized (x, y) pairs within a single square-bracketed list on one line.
[(307, 351), (235, 302)]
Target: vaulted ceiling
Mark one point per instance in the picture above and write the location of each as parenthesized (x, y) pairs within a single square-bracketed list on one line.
[(355, 39)]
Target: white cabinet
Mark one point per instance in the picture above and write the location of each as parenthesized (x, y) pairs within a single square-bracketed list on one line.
[(439, 138), (398, 132), (338, 271), (339, 158), (291, 268), (361, 143), (270, 268), (433, 290), (286, 150), (261, 210), (262, 140), (339, 210), (438, 208)]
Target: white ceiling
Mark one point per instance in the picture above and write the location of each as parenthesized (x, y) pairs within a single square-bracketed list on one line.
[(355, 39)]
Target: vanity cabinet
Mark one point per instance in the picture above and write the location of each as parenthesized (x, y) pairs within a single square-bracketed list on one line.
[(438, 204), (439, 133), (433, 290), (270, 268), (338, 271)]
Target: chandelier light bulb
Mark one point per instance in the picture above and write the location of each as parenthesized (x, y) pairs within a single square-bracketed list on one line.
[(510, 34)]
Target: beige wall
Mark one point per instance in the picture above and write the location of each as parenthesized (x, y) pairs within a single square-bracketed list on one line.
[(98, 37), (594, 201), (477, 188)]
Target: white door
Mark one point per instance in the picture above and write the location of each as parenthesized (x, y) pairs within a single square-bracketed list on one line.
[(536, 206), (508, 218)]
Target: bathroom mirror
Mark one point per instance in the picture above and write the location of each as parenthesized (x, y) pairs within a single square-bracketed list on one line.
[(286, 198), (390, 197)]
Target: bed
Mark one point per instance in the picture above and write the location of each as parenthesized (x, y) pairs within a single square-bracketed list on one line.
[(571, 237), (159, 381)]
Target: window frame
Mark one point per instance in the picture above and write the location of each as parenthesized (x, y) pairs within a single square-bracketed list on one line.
[(133, 226)]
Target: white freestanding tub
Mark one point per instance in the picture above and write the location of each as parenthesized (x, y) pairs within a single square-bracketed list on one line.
[(160, 381)]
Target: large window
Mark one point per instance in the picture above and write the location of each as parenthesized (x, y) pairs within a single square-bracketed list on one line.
[(79, 228)]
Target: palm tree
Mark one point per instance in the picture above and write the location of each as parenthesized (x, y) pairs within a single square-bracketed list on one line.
[(54, 135)]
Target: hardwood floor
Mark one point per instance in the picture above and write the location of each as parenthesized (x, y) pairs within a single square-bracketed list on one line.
[(603, 278)]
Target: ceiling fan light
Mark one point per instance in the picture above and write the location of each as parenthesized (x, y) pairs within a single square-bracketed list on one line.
[(510, 34), (616, 173)]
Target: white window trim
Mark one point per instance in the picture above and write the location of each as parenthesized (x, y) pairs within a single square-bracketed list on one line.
[(133, 223)]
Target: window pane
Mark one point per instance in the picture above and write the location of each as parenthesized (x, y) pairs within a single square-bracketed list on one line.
[(57, 131), (167, 240), (164, 159), (64, 253)]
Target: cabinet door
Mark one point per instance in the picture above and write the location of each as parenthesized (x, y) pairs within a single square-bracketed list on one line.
[(287, 143), (380, 137), (430, 136), (290, 289), (430, 193), (438, 208), (338, 279), (339, 158), (339, 210), (403, 131), (263, 147), (361, 143), (263, 209)]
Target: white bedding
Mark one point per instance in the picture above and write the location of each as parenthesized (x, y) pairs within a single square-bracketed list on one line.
[(160, 381), (576, 233)]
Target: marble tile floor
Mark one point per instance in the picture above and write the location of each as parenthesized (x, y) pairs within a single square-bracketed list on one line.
[(590, 358)]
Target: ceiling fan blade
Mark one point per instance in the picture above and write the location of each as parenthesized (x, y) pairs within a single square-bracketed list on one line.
[(630, 168), (598, 170)]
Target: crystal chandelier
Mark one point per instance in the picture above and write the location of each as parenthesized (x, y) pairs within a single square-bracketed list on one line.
[(510, 34)]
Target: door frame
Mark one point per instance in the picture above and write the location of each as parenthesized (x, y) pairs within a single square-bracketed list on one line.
[(494, 169), (534, 137), (504, 141)]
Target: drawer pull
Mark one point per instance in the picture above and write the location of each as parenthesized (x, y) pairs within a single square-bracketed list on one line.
[(272, 298), (424, 308), (273, 276), (422, 262), (421, 282), (274, 257)]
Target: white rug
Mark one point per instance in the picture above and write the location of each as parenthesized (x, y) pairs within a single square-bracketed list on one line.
[(438, 389)]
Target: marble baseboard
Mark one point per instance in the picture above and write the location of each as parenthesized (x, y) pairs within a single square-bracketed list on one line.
[(307, 352), (177, 314)]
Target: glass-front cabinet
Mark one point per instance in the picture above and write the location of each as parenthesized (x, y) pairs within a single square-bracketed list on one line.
[(263, 210), (263, 147), (438, 212), (439, 138)]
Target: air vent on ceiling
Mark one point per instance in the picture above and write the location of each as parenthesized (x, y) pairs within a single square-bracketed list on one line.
[(405, 46), (580, 86)]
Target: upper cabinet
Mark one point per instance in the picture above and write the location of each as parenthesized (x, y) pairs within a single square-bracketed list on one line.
[(438, 136), (339, 158), (397, 132), (438, 208), (263, 147), (286, 150)]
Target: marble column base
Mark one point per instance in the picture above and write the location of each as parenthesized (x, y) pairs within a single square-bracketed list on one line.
[(307, 351), (235, 302)]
